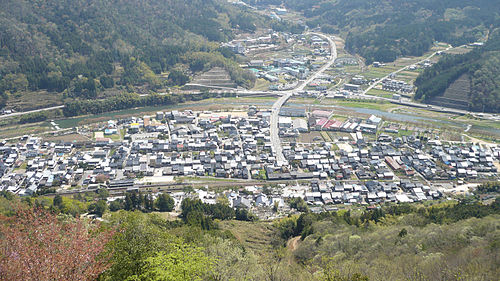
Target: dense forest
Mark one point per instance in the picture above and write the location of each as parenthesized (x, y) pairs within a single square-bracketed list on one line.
[(384, 30), (137, 239), (482, 66), (82, 48), (125, 101)]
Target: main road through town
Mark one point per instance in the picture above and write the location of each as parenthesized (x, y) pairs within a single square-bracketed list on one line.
[(275, 139)]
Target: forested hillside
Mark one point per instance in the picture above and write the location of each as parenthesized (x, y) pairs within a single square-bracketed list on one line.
[(83, 47), (482, 66), (138, 240), (401, 242), (384, 30)]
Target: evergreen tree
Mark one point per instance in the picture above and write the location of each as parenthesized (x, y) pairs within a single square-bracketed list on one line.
[(57, 202), (165, 203)]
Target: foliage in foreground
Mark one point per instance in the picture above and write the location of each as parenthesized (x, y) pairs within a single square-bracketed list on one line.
[(38, 245), (407, 246), (181, 262), (446, 241)]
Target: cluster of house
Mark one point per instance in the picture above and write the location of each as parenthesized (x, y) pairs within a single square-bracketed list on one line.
[(396, 86), (238, 145), (271, 40), (352, 88), (422, 65), (287, 68), (339, 62), (465, 161), (369, 192), (208, 145), (275, 13), (320, 195), (24, 167), (358, 80), (172, 144), (320, 120), (385, 158), (246, 45), (293, 67), (321, 83)]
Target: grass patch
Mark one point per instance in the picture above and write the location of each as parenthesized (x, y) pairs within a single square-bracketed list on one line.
[(371, 105), (24, 101), (380, 93), (26, 129), (22, 167), (325, 136), (261, 85), (116, 137)]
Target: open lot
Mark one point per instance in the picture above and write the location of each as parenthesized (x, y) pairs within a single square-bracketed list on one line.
[(311, 137), (67, 138)]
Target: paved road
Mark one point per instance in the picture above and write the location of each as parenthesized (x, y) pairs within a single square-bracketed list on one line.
[(213, 87), (275, 139), (31, 111)]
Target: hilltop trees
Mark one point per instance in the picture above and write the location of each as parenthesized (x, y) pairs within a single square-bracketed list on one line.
[(177, 77)]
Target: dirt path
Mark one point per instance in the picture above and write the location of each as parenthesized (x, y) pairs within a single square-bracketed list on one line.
[(293, 243), (481, 142), (291, 246)]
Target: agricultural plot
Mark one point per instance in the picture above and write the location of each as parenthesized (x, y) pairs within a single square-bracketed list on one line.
[(380, 93), (26, 101)]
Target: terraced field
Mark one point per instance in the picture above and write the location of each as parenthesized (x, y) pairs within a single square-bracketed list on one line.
[(257, 236), (216, 77), (456, 96)]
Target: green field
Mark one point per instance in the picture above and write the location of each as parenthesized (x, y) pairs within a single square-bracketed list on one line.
[(261, 85), (381, 93)]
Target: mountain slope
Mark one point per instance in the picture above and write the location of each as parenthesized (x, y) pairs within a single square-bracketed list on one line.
[(384, 30), (481, 66), (82, 47)]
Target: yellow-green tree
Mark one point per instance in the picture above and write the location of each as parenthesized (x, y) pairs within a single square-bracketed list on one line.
[(181, 262)]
